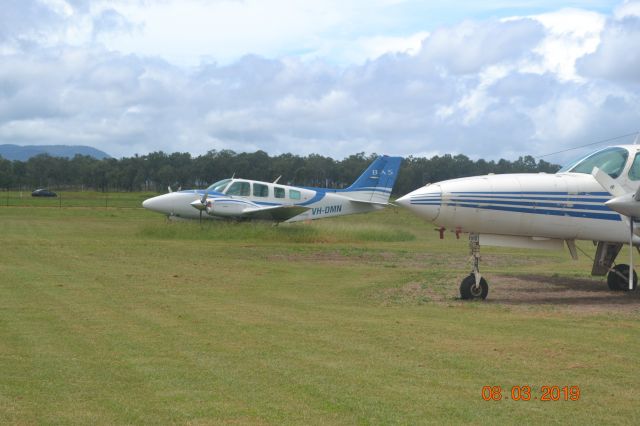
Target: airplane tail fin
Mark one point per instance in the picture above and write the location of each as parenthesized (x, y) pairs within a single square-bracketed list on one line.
[(376, 182)]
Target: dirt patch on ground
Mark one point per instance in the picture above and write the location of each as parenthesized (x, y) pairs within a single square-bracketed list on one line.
[(574, 294), (559, 294)]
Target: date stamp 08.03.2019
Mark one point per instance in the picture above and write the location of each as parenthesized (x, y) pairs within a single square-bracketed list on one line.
[(531, 393)]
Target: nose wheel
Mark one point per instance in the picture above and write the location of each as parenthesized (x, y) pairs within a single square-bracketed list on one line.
[(469, 290), (474, 286)]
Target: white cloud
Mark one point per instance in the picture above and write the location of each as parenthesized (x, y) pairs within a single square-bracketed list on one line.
[(570, 34), (104, 76), (628, 8), (471, 46), (617, 57)]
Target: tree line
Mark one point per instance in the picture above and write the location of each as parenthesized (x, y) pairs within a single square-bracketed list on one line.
[(158, 170)]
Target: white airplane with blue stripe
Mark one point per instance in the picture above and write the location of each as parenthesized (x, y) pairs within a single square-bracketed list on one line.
[(250, 199), (596, 198)]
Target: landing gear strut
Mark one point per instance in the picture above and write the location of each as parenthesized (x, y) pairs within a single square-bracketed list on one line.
[(474, 286)]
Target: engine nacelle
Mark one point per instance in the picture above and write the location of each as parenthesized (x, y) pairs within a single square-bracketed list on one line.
[(225, 208)]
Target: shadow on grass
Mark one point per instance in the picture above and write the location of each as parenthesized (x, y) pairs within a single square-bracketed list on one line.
[(538, 289)]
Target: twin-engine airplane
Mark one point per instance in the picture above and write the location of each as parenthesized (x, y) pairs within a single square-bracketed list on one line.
[(595, 198), (249, 199)]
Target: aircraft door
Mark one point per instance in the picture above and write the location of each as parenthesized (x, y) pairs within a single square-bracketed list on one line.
[(572, 206)]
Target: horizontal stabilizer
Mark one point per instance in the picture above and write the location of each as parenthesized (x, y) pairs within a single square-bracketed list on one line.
[(375, 203)]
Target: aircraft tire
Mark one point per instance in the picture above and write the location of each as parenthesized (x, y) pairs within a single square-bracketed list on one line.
[(468, 292), (617, 283)]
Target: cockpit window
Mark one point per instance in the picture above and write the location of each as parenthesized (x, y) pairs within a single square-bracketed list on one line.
[(219, 186), (240, 188), (610, 161), (634, 171)]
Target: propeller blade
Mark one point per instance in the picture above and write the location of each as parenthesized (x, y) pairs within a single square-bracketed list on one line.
[(625, 203), (608, 183), (631, 253)]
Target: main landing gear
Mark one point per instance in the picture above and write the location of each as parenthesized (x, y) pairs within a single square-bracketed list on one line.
[(474, 286), (617, 275), (618, 278)]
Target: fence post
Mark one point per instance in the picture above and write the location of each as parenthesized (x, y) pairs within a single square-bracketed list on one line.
[(60, 199)]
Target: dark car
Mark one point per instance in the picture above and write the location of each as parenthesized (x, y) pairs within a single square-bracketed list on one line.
[(43, 193)]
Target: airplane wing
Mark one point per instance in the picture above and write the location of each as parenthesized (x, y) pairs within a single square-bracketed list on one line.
[(276, 213)]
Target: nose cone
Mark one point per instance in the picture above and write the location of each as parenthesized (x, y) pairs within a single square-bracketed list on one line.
[(160, 204), (425, 202), (625, 204)]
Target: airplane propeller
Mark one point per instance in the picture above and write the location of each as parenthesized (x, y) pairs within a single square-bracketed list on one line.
[(200, 204), (625, 203), (203, 202)]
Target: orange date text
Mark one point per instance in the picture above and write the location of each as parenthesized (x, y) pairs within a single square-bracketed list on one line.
[(531, 393)]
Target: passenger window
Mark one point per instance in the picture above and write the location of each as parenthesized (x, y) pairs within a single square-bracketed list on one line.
[(634, 171), (239, 188), (279, 192), (260, 190), (294, 195)]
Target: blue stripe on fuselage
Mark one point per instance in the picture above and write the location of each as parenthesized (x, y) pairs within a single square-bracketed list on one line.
[(589, 215), (560, 204), (568, 204)]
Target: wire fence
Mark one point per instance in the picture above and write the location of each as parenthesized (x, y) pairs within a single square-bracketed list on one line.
[(69, 199)]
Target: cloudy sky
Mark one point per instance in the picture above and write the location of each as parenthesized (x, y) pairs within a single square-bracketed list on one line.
[(488, 79)]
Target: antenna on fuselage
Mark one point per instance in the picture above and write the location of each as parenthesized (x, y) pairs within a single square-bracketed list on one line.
[(637, 139), (277, 179), (233, 175)]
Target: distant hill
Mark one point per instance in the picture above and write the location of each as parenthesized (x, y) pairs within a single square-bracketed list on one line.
[(23, 153)]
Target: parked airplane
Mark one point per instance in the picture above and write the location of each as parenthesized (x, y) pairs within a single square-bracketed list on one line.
[(249, 199), (595, 198)]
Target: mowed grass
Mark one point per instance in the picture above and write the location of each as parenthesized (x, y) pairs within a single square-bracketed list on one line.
[(115, 316)]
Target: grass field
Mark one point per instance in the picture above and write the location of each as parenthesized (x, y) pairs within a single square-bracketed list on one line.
[(114, 316)]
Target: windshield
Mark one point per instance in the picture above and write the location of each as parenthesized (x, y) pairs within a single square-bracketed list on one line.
[(219, 186), (609, 160)]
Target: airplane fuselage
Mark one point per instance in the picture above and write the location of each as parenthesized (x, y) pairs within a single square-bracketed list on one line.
[(564, 206), (568, 205)]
